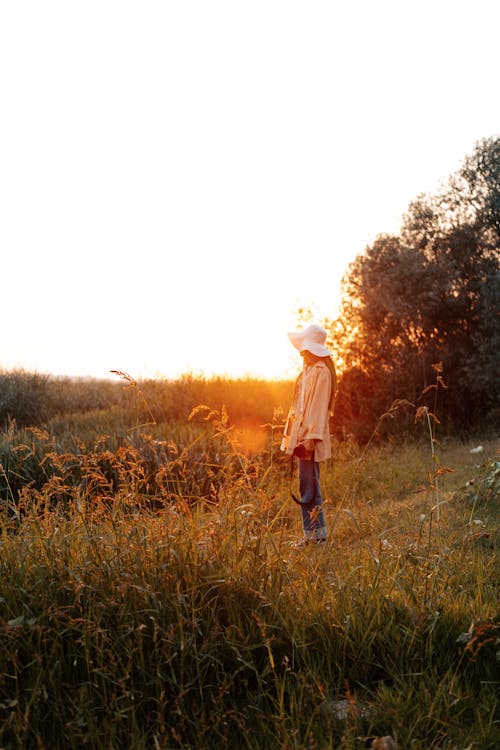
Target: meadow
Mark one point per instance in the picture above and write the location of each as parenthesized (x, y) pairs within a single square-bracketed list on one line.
[(151, 595)]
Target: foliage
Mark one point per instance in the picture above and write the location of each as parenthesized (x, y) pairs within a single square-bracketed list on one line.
[(32, 399), (155, 431), (429, 295), (150, 597)]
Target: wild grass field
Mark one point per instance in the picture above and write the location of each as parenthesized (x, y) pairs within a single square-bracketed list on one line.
[(151, 595)]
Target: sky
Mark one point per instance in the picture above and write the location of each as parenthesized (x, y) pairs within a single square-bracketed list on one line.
[(178, 178)]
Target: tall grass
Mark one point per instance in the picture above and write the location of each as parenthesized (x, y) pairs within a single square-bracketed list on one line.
[(150, 597), (34, 399)]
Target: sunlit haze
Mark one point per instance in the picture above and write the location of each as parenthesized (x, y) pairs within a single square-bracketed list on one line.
[(177, 178)]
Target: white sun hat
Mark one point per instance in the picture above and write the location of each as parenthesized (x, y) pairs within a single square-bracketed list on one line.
[(311, 339)]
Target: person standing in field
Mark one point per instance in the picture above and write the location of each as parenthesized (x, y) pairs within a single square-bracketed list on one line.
[(307, 429)]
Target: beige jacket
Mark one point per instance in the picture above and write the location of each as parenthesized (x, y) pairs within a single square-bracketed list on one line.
[(308, 418)]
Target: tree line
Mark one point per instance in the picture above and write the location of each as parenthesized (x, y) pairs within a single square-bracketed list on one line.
[(420, 309)]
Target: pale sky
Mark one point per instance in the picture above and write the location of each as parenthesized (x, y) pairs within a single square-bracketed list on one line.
[(177, 178)]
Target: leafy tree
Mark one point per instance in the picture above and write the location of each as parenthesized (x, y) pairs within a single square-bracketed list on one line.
[(429, 295)]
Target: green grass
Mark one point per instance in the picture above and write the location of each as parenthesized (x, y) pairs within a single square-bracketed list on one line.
[(150, 597)]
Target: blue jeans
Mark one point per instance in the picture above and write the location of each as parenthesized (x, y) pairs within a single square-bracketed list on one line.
[(313, 520)]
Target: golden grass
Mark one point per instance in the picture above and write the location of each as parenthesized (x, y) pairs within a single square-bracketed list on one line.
[(150, 597)]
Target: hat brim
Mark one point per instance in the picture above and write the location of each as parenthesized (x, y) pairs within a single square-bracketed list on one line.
[(301, 342)]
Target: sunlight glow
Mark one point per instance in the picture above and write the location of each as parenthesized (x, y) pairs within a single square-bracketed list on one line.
[(177, 179)]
